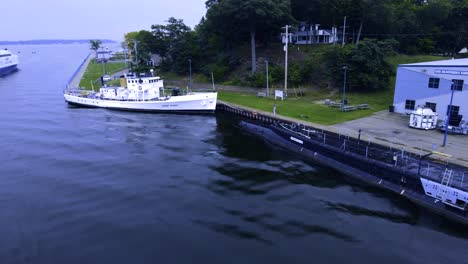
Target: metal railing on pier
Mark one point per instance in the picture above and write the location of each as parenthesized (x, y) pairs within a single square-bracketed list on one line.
[(393, 157)]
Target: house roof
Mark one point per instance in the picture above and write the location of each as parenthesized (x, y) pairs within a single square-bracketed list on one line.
[(448, 63)]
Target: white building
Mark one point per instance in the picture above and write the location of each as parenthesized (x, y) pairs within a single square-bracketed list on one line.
[(307, 34), (104, 54), (429, 83)]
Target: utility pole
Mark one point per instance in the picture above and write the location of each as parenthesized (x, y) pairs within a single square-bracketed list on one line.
[(103, 62), (267, 85), (448, 114), (212, 81), (190, 73), (334, 29), (344, 32), (125, 56), (135, 44), (345, 68), (286, 61)]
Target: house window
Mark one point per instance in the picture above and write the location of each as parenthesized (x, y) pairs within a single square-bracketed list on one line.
[(434, 83), (432, 106), (409, 105), (457, 85), (454, 111)]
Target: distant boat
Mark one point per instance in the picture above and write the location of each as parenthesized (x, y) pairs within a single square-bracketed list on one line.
[(8, 62), (143, 94)]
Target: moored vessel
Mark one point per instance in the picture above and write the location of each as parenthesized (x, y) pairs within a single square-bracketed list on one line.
[(438, 187), (145, 94), (8, 62)]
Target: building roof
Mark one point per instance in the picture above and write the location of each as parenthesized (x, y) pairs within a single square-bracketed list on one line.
[(449, 63)]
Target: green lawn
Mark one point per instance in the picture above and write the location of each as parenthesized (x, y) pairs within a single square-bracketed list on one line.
[(309, 108), (95, 71)]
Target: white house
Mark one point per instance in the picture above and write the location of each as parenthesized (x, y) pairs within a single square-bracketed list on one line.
[(154, 60), (313, 34), (429, 83)]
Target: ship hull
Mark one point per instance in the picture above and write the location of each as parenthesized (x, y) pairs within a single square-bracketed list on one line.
[(8, 69), (193, 103)]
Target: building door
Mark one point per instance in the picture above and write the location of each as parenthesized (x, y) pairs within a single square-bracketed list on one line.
[(454, 111), (455, 118)]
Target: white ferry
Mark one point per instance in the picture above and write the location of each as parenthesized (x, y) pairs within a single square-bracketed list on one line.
[(144, 94), (8, 62)]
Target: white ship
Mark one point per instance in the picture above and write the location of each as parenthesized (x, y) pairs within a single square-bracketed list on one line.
[(143, 94), (8, 62)]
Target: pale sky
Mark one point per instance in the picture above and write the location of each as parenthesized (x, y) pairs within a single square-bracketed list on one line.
[(91, 19)]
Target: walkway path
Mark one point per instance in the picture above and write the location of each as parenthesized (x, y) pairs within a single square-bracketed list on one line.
[(75, 82)]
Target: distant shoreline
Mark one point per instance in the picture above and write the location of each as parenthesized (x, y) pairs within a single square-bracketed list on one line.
[(52, 41)]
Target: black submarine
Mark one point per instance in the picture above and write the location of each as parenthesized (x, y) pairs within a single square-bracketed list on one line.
[(438, 187)]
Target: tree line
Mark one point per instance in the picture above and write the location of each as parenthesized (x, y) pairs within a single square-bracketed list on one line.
[(374, 29), (420, 26)]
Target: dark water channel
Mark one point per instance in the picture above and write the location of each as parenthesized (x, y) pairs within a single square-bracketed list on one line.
[(96, 186)]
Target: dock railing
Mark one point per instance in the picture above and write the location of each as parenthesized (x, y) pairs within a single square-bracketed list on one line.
[(397, 157)]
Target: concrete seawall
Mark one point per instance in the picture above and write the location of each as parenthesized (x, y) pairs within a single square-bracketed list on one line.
[(75, 79)]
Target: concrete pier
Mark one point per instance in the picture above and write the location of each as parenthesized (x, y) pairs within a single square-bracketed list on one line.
[(393, 129)]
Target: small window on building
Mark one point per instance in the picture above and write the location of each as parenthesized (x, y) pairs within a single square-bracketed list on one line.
[(457, 85), (432, 106), (409, 105), (434, 83)]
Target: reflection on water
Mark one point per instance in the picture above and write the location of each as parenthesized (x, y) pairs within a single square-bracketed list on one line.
[(96, 186)]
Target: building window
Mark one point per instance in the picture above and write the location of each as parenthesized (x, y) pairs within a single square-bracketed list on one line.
[(409, 105), (434, 83), (458, 85), (455, 110), (432, 106)]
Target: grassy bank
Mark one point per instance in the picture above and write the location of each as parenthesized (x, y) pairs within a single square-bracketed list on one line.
[(311, 107), (95, 71)]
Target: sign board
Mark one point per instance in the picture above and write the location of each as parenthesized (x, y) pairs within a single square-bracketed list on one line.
[(279, 93)]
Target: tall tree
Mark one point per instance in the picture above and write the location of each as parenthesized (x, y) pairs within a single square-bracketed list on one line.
[(129, 41), (248, 16), (95, 44), (166, 35)]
